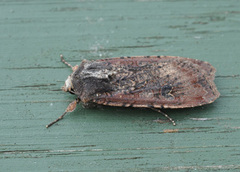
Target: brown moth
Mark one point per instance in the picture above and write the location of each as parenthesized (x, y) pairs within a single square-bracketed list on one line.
[(154, 82)]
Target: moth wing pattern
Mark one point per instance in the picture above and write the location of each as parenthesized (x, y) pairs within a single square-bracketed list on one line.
[(159, 82)]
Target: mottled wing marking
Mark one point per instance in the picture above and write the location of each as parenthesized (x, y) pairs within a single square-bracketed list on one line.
[(159, 81)]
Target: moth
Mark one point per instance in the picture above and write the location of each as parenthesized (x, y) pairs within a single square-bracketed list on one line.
[(154, 82)]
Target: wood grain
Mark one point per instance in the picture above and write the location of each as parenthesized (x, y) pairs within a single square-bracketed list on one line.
[(35, 33)]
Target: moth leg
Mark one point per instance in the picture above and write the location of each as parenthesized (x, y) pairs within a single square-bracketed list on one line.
[(71, 107), (169, 118), (68, 64)]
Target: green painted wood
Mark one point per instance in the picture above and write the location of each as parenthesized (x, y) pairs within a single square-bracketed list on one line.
[(33, 35)]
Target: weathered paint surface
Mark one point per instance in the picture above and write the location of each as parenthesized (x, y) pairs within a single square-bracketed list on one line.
[(35, 33)]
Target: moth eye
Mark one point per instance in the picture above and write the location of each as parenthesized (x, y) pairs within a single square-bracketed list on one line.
[(71, 91)]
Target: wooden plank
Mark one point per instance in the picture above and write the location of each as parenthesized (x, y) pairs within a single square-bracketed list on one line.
[(35, 33)]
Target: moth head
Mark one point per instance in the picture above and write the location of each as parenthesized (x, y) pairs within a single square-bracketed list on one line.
[(68, 84)]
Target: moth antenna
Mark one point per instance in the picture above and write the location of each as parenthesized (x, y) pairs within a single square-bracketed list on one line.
[(169, 118), (66, 63), (71, 107)]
